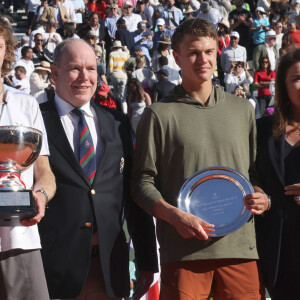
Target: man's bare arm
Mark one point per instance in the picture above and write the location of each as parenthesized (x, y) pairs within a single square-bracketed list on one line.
[(43, 179)]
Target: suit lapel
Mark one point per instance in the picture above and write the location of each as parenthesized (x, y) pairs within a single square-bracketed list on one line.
[(276, 152), (56, 134), (107, 135)]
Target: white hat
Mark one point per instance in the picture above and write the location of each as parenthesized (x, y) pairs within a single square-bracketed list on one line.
[(160, 21), (117, 44), (270, 33), (261, 9), (235, 33), (44, 66)]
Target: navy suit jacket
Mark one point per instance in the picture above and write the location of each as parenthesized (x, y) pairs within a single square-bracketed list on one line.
[(66, 238), (284, 211)]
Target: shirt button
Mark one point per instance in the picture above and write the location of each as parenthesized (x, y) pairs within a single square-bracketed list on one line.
[(93, 192), (88, 224)]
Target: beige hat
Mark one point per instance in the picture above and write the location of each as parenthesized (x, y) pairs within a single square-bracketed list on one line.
[(117, 44), (98, 48), (188, 10), (91, 33), (127, 4), (165, 39), (225, 23), (44, 66), (113, 5)]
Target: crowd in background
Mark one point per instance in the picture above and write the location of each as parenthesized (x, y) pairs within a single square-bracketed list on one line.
[(132, 40)]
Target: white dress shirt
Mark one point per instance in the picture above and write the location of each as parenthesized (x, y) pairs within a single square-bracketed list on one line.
[(70, 124), (271, 55)]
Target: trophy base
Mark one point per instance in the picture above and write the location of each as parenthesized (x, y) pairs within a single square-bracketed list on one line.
[(15, 206)]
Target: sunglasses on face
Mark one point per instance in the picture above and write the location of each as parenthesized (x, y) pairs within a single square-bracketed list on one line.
[(265, 62), (39, 40), (233, 38)]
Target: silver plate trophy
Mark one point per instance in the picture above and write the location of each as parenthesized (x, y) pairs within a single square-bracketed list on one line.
[(19, 148), (216, 196)]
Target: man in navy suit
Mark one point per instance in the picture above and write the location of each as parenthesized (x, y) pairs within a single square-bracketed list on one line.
[(85, 254)]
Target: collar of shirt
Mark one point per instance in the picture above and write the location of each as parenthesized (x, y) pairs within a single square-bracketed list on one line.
[(268, 47), (64, 108)]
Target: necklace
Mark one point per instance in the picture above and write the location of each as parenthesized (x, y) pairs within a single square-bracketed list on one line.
[(295, 125)]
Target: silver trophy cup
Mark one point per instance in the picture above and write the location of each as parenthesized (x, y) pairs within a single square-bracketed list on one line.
[(19, 148)]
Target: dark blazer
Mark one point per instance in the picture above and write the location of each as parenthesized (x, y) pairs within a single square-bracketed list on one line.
[(269, 226), (161, 89), (66, 234)]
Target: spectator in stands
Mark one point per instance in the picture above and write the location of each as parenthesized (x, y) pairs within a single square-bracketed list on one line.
[(138, 99), (223, 6), (260, 26), (100, 31), (24, 42), (103, 96), (287, 44), (130, 18), (163, 49), (111, 21), (37, 15), (188, 13), (224, 41), (31, 7), (163, 86), (210, 14), (234, 52), (294, 32), (58, 13), (70, 31), (277, 27), (172, 15), (268, 49), (161, 30), (38, 50), (143, 38), (26, 60), (79, 9), (194, 4), (117, 73), (241, 21), (124, 36), (39, 82), (38, 29), (262, 79), (51, 39), (20, 81), (238, 75), (144, 12), (98, 6), (173, 75), (100, 67), (145, 75)]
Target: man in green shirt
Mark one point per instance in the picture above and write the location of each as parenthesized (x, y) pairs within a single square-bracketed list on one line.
[(195, 127)]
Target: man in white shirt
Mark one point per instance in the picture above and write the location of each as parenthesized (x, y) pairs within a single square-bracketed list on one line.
[(210, 14), (268, 49), (172, 15), (234, 52), (130, 18), (26, 60), (21, 270)]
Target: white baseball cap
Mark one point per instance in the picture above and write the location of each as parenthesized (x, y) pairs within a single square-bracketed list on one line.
[(235, 33), (270, 33), (160, 21), (261, 9)]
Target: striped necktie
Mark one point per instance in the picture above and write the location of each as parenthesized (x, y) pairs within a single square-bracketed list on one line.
[(86, 147)]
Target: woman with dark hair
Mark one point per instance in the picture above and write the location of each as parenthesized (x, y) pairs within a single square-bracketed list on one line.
[(98, 6), (224, 41), (278, 166), (124, 36), (138, 99), (70, 31), (262, 80), (287, 44)]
